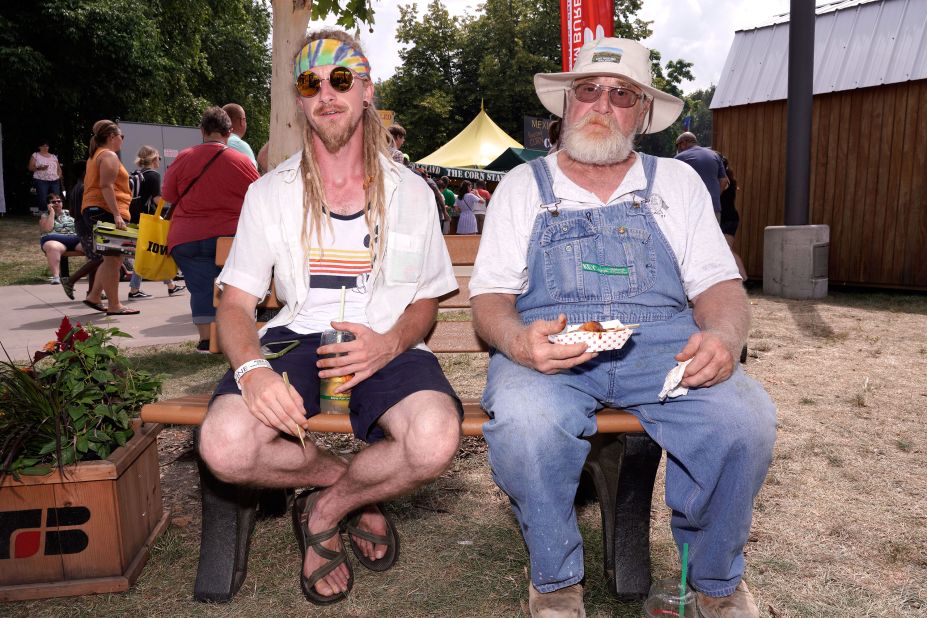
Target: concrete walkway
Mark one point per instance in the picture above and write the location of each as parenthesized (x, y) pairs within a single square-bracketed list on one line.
[(32, 314)]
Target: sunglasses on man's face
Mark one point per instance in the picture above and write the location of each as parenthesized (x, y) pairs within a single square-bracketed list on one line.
[(309, 83), (618, 96), (55, 201)]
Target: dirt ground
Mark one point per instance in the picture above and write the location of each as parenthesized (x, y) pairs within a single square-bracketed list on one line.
[(839, 527)]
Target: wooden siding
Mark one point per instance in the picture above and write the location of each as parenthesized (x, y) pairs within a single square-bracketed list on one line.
[(868, 180)]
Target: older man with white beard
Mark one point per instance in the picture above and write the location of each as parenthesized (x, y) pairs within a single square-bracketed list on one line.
[(599, 232)]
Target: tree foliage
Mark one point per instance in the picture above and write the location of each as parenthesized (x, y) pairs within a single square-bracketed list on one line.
[(451, 66), (68, 63)]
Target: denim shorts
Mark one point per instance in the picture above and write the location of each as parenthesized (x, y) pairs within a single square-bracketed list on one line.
[(70, 241), (410, 372)]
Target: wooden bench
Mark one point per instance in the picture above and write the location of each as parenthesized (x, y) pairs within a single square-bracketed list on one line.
[(620, 469)]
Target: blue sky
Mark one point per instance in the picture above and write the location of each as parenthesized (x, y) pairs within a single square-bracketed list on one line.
[(701, 31)]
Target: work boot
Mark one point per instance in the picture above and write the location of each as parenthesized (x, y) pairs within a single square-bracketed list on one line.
[(563, 603), (740, 604)]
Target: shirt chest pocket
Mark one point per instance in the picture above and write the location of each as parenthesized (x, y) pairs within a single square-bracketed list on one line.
[(405, 254)]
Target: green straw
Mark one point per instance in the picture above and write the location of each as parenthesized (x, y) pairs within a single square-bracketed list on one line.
[(682, 584)]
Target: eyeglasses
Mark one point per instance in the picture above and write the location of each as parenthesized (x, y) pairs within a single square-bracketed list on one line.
[(618, 96), (54, 201), (308, 83)]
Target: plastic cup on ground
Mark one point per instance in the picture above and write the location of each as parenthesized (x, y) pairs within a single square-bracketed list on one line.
[(331, 402), (664, 600)]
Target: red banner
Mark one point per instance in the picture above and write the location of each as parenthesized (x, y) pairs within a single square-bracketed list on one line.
[(582, 21)]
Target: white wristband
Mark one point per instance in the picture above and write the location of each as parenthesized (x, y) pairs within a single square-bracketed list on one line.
[(251, 365)]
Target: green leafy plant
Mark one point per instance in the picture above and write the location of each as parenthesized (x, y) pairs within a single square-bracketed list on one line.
[(75, 401)]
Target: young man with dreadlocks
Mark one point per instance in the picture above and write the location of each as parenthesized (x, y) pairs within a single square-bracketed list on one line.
[(337, 220)]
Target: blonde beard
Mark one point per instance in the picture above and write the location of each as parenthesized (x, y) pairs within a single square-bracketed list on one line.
[(597, 150), (333, 138)]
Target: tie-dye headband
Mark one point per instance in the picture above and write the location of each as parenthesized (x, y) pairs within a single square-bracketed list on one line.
[(323, 52)]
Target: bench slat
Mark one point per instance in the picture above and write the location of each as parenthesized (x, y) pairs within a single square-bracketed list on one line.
[(462, 249), (454, 337), (192, 409), (459, 299)]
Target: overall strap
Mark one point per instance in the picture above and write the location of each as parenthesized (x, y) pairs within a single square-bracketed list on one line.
[(650, 169), (545, 183)]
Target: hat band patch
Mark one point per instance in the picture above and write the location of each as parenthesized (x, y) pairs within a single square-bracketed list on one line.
[(608, 56)]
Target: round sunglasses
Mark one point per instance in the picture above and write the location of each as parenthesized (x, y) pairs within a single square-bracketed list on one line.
[(308, 84), (618, 96)]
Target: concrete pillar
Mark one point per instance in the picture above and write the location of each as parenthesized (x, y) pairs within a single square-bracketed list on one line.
[(795, 261)]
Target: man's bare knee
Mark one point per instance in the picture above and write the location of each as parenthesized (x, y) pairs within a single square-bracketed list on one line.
[(228, 444), (431, 437)]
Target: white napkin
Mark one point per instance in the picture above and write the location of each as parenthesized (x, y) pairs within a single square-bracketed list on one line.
[(671, 386)]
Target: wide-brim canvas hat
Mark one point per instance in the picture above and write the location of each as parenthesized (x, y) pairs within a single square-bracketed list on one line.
[(611, 57)]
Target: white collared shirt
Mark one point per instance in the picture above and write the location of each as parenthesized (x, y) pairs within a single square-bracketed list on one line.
[(415, 263)]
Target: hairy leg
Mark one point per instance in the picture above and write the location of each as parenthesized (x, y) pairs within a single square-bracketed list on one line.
[(423, 434)]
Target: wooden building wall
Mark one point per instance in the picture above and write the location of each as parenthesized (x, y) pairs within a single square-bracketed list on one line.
[(868, 180)]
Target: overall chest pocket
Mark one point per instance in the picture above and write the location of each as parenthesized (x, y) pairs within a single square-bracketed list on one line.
[(634, 248), (565, 245)]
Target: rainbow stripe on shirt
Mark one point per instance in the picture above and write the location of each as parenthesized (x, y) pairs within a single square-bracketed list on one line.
[(337, 267)]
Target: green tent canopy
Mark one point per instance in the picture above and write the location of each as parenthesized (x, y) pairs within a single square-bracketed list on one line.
[(513, 157)]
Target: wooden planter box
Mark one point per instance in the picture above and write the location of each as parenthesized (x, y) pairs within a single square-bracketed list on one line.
[(86, 532)]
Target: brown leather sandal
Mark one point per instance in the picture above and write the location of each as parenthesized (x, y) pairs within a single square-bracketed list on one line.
[(302, 508)]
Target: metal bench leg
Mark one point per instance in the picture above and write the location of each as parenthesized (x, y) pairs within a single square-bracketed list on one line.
[(622, 468)]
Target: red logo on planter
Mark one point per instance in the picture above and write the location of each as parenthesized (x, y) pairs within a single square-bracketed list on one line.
[(21, 532)]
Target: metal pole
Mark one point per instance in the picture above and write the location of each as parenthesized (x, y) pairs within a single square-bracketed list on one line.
[(798, 144)]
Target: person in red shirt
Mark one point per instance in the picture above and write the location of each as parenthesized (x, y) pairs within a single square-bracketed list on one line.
[(206, 186), (482, 192)]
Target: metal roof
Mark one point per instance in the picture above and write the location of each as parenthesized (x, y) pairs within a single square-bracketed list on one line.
[(857, 44)]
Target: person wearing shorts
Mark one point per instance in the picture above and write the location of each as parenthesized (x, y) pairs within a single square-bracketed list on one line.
[(106, 198), (58, 235), (352, 242)]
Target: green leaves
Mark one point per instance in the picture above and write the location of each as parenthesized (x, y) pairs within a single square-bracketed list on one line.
[(349, 12), (452, 64), (70, 406)]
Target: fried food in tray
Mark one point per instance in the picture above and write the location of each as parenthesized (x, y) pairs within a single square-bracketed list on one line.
[(598, 336)]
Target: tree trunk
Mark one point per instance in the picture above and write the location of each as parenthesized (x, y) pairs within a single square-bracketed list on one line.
[(291, 17)]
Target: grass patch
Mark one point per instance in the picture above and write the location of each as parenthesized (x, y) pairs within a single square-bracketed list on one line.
[(21, 260), (188, 373)]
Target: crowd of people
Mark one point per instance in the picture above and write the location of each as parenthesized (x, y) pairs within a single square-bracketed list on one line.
[(202, 207), (351, 236)]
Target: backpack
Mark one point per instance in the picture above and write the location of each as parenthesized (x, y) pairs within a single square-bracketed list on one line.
[(136, 179)]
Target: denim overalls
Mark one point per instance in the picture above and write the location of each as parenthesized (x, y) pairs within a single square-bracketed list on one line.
[(603, 262)]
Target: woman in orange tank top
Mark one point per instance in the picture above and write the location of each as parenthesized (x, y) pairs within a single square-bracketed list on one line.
[(106, 198)]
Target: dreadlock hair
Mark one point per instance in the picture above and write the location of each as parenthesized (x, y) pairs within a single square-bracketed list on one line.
[(375, 141)]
